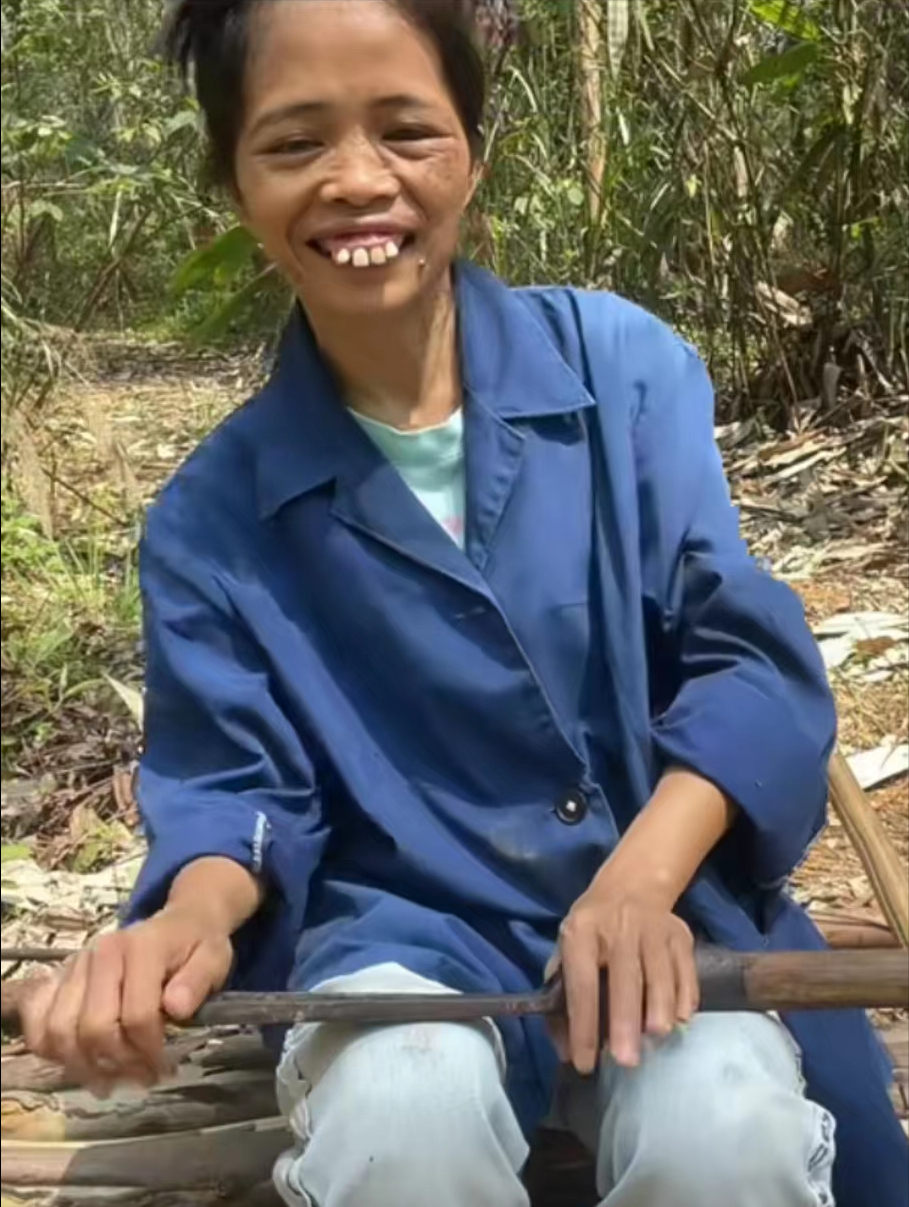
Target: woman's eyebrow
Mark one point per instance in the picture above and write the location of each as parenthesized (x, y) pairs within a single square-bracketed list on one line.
[(274, 117)]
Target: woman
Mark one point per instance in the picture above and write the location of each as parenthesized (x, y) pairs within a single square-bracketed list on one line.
[(455, 658)]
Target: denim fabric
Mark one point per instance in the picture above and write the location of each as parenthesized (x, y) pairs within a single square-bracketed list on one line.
[(417, 1116)]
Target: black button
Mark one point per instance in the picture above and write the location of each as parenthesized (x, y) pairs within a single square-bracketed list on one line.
[(573, 808)]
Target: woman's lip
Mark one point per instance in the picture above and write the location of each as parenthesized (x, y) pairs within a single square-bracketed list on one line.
[(362, 249), (352, 239)]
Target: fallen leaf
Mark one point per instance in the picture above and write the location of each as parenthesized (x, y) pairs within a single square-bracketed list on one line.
[(885, 762)]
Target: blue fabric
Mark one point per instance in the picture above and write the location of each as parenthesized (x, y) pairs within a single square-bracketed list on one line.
[(384, 725)]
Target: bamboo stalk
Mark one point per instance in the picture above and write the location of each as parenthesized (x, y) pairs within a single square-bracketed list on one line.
[(854, 931), (879, 858), (591, 60), (843, 979)]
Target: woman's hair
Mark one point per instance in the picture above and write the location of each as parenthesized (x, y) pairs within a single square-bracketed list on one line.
[(209, 40)]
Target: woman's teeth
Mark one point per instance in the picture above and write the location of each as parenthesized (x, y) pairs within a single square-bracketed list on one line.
[(375, 255)]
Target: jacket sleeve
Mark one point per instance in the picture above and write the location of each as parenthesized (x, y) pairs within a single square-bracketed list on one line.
[(223, 771), (748, 705)]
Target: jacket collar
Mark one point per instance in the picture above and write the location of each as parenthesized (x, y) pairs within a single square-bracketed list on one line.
[(304, 437)]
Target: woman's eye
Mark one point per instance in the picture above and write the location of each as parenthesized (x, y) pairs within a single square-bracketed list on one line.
[(409, 134), (294, 146)]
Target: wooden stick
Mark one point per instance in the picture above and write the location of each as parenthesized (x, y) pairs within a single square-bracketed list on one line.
[(729, 981), (590, 56), (789, 980), (853, 930), (36, 955), (884, 868)]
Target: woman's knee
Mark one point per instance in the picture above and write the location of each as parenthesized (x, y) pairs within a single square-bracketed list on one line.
[(382, 1115), (724, 1125)]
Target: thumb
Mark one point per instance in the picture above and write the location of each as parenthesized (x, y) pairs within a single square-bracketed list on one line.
[(188, 988)]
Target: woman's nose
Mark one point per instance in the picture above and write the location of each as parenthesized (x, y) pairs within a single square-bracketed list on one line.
[(359, 175)]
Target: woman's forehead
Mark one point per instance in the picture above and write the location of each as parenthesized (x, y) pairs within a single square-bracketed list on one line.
[(331, 51)]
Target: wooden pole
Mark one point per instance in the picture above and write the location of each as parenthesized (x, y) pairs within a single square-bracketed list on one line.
[(729, 981), (885, 870), (591, 63)]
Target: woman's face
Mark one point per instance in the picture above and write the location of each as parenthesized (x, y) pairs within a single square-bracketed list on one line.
[(353, 168)]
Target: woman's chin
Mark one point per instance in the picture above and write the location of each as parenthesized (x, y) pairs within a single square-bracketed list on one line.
[(361, 291)]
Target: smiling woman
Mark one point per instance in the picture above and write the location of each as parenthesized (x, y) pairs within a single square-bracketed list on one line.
[(457, 670)]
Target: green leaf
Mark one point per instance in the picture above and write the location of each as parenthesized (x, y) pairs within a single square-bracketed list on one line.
[(180, 121), (617, 28), (131, 697), (792, 62), (45, 209), (575, 195), (217, 323), (11, 851), (788, 17), (218, 262), (805, 174)]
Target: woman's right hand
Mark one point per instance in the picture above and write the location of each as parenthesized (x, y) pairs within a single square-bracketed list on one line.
[(103, 1015)]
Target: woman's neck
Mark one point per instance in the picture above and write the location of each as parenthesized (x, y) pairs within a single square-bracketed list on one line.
[(401, 369)]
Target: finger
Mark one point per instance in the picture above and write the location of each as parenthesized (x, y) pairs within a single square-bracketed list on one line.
[(581, 975), (626, 1002), (102, 1040), (35, 1009), (688, 988), (205, 970), (659, 985), (142, 1017), (62, 1043)]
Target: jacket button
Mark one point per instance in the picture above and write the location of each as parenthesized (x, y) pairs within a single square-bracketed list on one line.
[(572, 809)]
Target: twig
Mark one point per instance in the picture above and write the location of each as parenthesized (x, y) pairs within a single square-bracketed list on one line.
[(36, 955)]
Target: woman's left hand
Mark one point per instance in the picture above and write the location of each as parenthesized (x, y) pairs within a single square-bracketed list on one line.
[(649, 954)]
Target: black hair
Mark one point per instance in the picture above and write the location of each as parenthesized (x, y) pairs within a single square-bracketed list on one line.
[(208, 40)]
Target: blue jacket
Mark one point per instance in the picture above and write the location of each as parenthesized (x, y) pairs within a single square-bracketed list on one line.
[(387, 728)]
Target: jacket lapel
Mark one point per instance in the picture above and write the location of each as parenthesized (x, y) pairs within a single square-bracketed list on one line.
[(513, 374), (305, 438), (378, 503)]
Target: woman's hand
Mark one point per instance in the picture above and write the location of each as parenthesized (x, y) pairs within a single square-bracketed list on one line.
[(625, 924), (649, 954), (103, 1015)]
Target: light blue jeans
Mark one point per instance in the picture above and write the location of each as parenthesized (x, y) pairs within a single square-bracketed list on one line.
[(416, 1116)]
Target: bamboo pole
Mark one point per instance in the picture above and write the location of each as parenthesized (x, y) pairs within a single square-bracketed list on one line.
[(884, 868), (591, 62)]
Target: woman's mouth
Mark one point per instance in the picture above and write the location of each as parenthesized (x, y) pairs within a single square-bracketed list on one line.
[(365, 249)]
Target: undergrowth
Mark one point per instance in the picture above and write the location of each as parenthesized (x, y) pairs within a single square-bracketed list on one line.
[(70, 617)]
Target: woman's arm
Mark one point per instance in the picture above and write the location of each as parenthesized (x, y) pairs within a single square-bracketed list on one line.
[(232, 816), (744, 720)]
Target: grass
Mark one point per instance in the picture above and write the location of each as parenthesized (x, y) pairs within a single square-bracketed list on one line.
[(70, 616)]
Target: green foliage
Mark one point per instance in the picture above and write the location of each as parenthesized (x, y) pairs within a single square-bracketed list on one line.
[(100, 170), (745, 154), (70, 612), (742, 168)]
